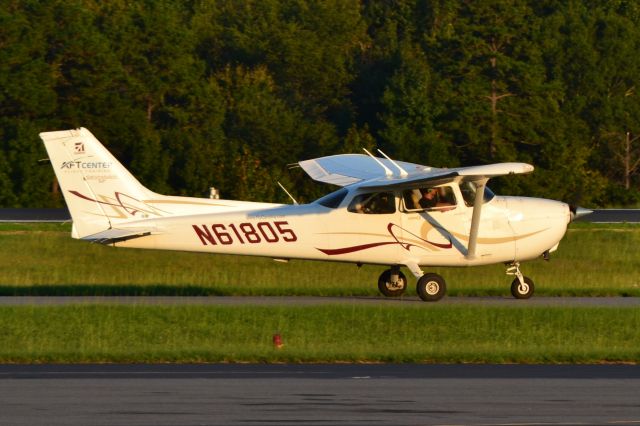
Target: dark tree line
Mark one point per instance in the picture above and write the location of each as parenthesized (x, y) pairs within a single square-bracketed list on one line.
[(192, 94)]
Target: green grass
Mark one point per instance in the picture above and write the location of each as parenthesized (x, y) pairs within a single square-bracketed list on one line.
[(42, 259), (340, 333)]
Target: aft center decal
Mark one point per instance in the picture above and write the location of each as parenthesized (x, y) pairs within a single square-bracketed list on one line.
[(393, 229)]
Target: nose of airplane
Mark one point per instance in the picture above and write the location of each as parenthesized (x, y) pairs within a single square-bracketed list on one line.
[(577, 212), (538, 209), (538, 225)]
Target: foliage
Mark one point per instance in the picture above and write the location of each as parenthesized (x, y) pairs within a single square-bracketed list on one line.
[(224, 93)]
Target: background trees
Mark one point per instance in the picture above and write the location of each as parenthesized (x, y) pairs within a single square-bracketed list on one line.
[(224, 93)]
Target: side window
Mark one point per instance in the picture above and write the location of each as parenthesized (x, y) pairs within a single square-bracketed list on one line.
[(429, 198), (375, 203)]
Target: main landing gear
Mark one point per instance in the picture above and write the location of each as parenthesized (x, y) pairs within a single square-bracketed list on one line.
[(392, 282), (432, 287)]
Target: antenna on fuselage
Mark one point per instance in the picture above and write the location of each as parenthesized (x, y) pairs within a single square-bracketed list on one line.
[(387, 171), (403, 172), (287, 192)]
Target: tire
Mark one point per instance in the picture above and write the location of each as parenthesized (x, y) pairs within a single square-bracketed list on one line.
[(431, 287), (388, 289), (522, 293)]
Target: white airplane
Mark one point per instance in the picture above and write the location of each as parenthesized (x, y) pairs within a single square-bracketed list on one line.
[(387, 212)]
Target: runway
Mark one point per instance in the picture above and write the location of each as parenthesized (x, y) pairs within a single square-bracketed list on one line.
[(233, 394), (505, 301)]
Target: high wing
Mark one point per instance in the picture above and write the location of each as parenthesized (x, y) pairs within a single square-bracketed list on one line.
[(376, 174), (439, 176), (347, 169)]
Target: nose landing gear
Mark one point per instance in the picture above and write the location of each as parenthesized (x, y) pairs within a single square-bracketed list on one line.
[(521, 287)]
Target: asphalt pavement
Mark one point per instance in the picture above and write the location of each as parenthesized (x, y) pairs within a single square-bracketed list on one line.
[(352, 394)]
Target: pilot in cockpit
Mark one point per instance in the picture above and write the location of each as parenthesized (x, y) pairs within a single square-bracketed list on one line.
[(429, 198)]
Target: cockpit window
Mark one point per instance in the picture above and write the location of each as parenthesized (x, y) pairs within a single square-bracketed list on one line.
[(429, 198), (334, 199), (468, 190), (373, 203)]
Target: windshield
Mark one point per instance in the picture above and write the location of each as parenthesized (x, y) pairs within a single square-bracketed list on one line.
[(468, 190), (334, 199)]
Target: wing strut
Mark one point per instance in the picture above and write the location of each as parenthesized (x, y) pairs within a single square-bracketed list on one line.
[(475, 218)]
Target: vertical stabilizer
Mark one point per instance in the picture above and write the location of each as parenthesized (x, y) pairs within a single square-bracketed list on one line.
[(98, 190)]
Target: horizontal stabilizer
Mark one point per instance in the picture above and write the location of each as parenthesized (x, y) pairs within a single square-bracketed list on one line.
[(115, 234)]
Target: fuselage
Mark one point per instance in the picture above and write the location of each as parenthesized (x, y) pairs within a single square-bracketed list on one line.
[(337, 228)]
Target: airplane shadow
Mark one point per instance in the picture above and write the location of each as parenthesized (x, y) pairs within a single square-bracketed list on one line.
[(109, 290)]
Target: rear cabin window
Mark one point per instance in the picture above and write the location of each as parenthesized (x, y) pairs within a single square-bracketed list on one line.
[(429, 198), (373, 203)]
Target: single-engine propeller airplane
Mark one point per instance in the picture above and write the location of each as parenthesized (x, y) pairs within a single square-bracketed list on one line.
[(386, 212)]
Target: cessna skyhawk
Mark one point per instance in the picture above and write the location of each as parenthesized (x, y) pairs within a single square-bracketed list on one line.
[(386, 212)]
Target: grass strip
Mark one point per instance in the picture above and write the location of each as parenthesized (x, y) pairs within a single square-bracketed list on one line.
[(42, 259), (334, 333)]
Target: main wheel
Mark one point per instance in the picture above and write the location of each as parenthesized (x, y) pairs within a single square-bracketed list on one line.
[(522, 291), (390, 289), (431, 287)]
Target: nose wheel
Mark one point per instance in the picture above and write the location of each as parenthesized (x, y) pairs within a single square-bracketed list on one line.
[(521, 287), (522, 290)]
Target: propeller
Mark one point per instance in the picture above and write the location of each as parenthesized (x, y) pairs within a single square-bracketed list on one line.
[(578, 212)]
